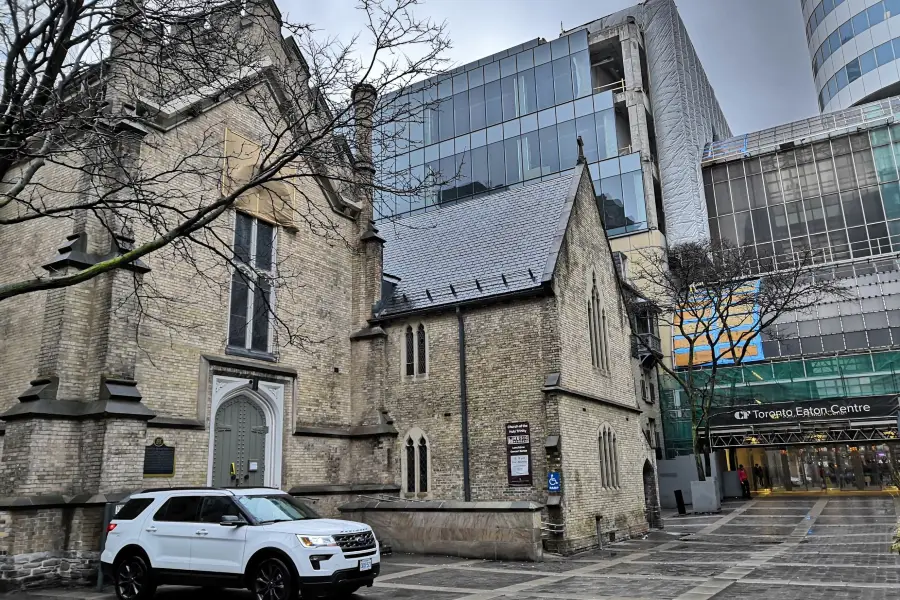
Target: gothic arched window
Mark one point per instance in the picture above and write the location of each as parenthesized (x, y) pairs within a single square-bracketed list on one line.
[(410, 353), (422, 354), (609, 458), (597, 328), (415, 351), (416, 467)]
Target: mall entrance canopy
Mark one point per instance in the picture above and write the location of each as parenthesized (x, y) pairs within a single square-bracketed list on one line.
[(835, 444)]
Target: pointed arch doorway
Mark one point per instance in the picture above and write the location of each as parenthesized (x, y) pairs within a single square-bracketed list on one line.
[(239, 443), (245, 441), (651, 497)]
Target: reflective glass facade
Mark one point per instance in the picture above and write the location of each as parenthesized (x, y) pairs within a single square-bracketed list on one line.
[(852, 376), (851, 28), (840, 197), (510, 119), (856, 68), (860, 40)]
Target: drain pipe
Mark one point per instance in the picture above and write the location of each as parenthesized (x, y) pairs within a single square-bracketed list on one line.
[(463, 404)]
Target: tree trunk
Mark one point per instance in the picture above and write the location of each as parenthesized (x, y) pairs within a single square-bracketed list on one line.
[(698, 459)]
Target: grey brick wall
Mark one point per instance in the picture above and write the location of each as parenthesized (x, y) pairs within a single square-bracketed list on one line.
[(584, 500), (510, 349)]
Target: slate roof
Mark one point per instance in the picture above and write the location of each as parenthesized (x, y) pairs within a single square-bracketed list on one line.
[(504, 242)]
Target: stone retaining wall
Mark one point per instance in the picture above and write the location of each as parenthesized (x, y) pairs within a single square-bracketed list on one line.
[(54, 544), (491, 530)]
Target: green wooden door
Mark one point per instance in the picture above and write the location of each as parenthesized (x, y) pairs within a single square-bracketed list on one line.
[(239, 448)]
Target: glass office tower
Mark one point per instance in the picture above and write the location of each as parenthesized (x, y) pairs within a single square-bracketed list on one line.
[(512, 118), (854, 46)]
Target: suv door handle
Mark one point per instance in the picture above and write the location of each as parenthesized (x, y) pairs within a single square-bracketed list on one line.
[(151, 529), (202, 532)]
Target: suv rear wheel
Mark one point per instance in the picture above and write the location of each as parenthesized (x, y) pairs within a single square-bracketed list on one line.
[(272, 580), (133, 578)]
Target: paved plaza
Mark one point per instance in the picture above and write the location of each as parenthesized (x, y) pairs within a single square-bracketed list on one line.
[(770, 548)]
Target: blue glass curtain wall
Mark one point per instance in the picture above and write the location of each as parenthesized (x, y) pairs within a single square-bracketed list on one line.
[(506, 121)]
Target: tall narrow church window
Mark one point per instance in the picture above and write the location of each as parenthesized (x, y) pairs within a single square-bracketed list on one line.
[(415, 351), (251, 303), (416, 467), (609, 458), (604, 340), (410, 353), (591, 332), (410, 460), (597, 328), (422, 360), (423, 465)]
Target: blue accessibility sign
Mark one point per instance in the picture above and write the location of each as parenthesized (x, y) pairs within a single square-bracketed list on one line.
[(554, 481)]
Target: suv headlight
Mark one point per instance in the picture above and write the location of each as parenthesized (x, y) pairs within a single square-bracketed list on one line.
[(316, 541)]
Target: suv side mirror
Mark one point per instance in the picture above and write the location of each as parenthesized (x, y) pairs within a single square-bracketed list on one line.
[(232, 521)]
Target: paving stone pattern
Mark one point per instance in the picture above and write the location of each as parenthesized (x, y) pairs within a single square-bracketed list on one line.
[(786, 549)]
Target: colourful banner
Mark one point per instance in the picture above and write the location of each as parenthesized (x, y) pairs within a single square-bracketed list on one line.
[(702, 322)]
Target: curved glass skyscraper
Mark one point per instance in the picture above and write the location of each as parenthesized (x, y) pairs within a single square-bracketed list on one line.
[(855, 50)]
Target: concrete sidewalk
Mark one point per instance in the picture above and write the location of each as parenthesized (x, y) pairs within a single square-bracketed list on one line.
[(783, 548)]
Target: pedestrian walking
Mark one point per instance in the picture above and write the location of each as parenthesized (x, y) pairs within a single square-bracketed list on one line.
[(745, 481)]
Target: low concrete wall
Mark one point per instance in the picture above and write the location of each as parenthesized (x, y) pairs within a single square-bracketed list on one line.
[(679, 472), (492, 530), (327, 499)]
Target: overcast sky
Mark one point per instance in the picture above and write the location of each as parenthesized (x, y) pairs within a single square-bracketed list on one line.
[(754, 51)]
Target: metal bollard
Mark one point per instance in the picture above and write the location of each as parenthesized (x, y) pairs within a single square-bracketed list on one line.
[(679, 500)]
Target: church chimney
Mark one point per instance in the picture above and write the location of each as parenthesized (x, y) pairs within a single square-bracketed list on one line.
[(363, 164), (369, 249)]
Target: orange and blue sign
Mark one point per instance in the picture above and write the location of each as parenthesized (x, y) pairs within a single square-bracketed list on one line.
[(702, 324)]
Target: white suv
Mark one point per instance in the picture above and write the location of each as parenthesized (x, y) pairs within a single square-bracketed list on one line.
[(261, 539)]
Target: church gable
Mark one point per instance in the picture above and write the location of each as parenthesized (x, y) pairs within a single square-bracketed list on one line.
[(595, 336)]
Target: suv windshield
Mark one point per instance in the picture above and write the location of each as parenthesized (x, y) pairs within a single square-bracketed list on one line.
[(272, 509)]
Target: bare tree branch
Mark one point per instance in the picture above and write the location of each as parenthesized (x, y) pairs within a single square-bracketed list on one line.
[(115, 116), (714, 299)]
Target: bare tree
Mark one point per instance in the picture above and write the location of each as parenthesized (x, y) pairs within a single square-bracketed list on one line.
[(96, 93), (712, 297)]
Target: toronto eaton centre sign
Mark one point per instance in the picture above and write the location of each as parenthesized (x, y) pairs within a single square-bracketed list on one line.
[(805, 412)]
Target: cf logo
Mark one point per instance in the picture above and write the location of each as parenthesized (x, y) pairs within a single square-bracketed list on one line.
[(742, 415)]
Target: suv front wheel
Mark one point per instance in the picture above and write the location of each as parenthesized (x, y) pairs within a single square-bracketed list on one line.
[(272, 580), (133, 579)]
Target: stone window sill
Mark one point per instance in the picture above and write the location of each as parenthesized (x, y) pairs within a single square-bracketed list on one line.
[(247, 353)]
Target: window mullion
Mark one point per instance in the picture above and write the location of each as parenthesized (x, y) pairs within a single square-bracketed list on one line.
[(603, 458), (251, 293), (251, 287)]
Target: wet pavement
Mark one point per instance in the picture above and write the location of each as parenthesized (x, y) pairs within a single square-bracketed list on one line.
[(781, 548)]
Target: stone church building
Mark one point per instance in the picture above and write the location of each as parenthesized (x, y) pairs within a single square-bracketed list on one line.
[(463, 354)]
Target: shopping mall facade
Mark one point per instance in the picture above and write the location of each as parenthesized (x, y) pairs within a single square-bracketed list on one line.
[(817, 406)]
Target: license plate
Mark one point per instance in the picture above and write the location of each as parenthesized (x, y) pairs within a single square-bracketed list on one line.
[(365, 564)]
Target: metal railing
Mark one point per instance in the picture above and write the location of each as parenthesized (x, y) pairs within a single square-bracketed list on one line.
[(553, 528), (616, 87), (767, 140), (826, 257), (649, 343)]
